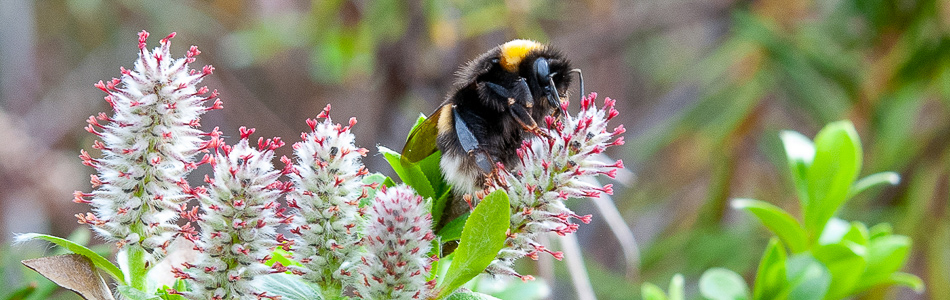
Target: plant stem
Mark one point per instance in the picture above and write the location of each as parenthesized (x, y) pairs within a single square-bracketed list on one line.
[(332, 291), (138, 267)]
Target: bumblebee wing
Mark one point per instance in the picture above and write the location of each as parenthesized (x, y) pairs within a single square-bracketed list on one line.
[(422, 142)]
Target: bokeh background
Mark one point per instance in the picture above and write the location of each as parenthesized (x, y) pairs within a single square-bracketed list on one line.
[(703, 88)]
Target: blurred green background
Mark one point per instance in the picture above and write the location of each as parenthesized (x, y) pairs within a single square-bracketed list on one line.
[(703, 87)]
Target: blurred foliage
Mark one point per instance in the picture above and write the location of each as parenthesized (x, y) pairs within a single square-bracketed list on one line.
[(704, 87), (827, 257)]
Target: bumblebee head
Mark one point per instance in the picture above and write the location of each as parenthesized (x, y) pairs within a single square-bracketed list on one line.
[(546, 70)]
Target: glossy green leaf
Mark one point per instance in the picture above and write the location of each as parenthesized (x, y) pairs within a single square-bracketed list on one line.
[(858, 234), (834, 231), (770, 276), (453, 230), (470, 295), (872, 180), (21, 293), (81, 236), (433, 173), (438, 207), (649, 291), (836, 165), (179, 285), (722, 284), (807, 279), (886, 255), (778, 221), (131, 293), (908, 280), (374, 178), (289, 287), (97, 260), (283, 257), (677, 288), (441, 266), (844, 262), (800, 152), (410, 173), (482, 238), (523, 290), (881, 230)]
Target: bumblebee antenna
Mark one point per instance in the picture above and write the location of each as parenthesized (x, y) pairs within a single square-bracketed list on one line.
[(580, 76)]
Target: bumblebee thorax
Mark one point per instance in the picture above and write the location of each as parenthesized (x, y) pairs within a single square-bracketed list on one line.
[(513, 52)]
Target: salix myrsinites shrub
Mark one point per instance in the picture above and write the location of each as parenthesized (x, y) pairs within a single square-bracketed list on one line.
[(343, 242)]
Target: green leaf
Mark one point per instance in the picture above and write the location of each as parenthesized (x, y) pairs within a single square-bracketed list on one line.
[(722, 284), (453, 230), (858, 234), (885, 256), (133, 294), (289, 287), (834, 231), (836, 165), (433, 172), (409, 173), (179, 285), (22, 292), (440, 267), (807, 278), (800, 152), (872, 180), (482, 238), (522, 290), (97, 260), (881, 230), (389, 182), (677, 286), (279, 255), (778, 221), (770, 277), (438, 207), (845, 263), (80, 236), (649, 291), (470, 295), (908, 280), (375, 178)]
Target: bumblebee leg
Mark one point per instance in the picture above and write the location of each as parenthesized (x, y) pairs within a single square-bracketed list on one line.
[(520, 108), (499, 90)]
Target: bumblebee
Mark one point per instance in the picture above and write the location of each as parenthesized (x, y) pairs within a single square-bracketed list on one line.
[(498, 100)]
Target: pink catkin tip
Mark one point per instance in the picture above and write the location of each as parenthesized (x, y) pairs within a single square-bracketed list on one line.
[(142, 37), (313, 126), (246, 132), (325, 113), (170, 36)]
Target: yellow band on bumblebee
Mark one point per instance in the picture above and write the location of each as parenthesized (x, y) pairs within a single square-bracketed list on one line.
[(514, 51)]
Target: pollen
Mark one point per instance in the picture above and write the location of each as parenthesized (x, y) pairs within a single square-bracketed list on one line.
[(514, 51)]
